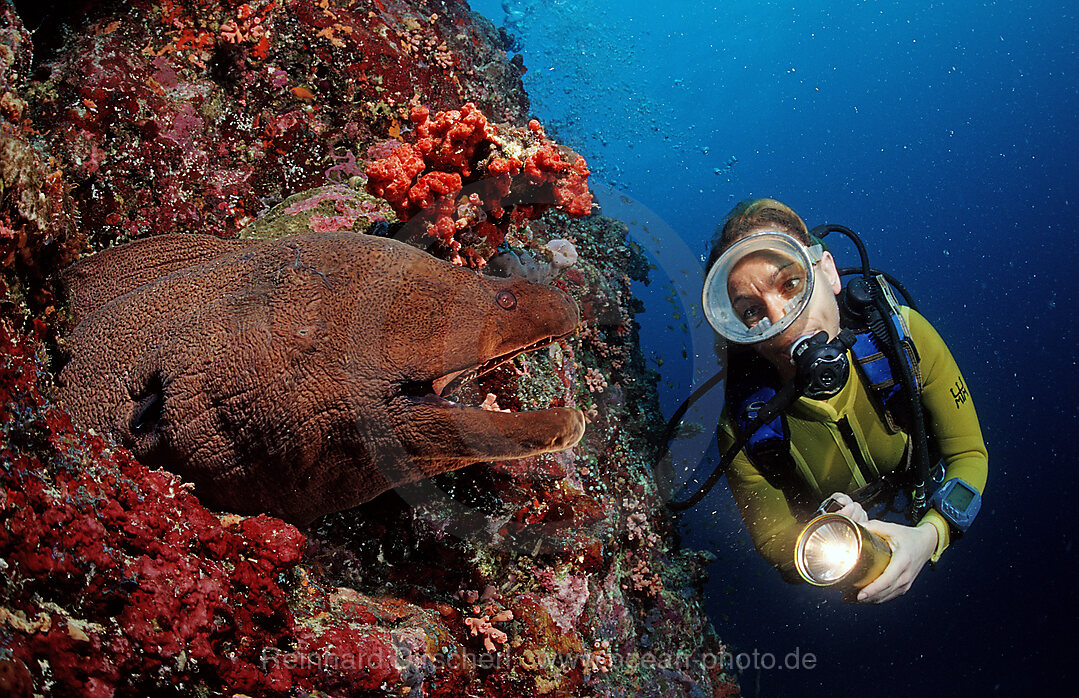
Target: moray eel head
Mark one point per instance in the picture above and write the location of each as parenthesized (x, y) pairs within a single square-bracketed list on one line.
[(478, 327)]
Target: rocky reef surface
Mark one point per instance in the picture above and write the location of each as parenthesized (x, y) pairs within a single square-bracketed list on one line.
[(556, 575)]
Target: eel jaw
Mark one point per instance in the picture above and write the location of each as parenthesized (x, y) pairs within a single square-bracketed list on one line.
[(449, 435), (450, 383)]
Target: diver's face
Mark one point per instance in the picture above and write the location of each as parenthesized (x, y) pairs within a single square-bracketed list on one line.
[(764, 284)]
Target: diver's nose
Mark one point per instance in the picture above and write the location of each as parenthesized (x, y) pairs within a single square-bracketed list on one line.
[(775, 307)]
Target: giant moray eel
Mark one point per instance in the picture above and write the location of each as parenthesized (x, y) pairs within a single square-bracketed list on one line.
[(306, 374)]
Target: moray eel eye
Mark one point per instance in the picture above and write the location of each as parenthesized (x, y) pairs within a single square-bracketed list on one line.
[(506, 300)]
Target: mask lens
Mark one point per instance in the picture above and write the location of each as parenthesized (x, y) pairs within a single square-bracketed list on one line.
[(763, 284), (759, 287)]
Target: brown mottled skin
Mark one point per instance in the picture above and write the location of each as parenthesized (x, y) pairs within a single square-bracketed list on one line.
[(294, 376)]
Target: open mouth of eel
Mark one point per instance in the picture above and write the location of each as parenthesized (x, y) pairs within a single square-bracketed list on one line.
[(444, 388)]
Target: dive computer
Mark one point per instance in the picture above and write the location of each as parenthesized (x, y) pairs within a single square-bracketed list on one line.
[(957, 502)]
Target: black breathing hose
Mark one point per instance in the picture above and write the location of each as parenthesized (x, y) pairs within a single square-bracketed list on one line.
[(769, 411)]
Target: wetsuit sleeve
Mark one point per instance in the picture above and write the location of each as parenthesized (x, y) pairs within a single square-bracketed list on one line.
[(951, 416), (764, 510)]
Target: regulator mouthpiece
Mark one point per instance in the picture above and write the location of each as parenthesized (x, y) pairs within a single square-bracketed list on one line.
[(821, 367)]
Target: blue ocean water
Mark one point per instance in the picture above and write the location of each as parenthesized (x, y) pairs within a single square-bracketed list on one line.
[(945, 133)]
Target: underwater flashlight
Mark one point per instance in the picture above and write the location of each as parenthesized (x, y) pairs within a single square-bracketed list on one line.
[(834, 550)]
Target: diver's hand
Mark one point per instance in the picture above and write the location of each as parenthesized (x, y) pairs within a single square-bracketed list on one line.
[(912, 546), (849, 508)]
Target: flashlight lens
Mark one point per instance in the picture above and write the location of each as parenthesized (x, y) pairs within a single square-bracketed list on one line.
[(831, 551)]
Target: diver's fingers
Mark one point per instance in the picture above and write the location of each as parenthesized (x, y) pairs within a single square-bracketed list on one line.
[(848, 507), (840, 498), (857, 513), (902, 586), (881, 588), (908, 557)]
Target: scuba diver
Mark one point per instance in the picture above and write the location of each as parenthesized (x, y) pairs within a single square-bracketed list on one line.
[(837, 400)]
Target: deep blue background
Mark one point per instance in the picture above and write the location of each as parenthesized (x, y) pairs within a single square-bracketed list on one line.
[(945, 133)]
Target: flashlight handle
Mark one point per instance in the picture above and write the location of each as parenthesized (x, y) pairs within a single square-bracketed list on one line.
[(828, 506), (867, 496)]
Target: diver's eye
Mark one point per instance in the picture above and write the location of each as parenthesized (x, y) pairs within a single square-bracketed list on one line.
[(793, 285), (750, 315), (506, 300)]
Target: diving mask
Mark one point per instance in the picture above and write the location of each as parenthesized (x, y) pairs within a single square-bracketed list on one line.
[(770, 259)]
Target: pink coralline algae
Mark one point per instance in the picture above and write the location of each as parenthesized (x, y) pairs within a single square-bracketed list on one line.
[(346, 206), (464, 180), (567, 602)]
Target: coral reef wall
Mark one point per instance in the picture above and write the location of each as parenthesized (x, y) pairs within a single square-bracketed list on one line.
[(556, 575)]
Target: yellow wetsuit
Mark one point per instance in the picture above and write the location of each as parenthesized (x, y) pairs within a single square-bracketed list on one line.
[(827, 465)]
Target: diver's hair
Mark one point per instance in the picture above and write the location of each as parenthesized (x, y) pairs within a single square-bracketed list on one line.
[(752, 215)]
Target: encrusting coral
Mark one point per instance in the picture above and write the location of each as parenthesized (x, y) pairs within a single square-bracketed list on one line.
[(179, 116), (37, 231), (116, 578)]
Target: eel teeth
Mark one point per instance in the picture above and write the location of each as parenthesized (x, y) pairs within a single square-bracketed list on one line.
[(452, 382)]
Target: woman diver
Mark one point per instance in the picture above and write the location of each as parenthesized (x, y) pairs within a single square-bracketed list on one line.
[(801, 426)]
